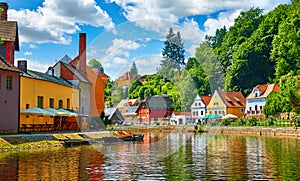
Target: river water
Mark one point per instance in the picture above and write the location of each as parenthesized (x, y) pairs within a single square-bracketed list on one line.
[(161, 156)]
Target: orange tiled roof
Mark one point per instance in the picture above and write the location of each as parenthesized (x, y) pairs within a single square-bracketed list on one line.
[(264, 91), (233, 99), (205, 99)]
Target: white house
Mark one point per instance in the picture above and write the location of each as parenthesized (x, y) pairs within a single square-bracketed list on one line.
[(178, 118), (199, 106), (256, 100)]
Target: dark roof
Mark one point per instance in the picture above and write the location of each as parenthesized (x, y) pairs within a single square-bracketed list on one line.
[(132, 109), (4, 65), (113, 114), (161, 102), (75, 72), (47, 77), (9, 32), (66, 59)]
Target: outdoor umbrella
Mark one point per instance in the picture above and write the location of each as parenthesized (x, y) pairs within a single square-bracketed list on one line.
[(69, 113), (232, 116), (55, 112), (35, 111)]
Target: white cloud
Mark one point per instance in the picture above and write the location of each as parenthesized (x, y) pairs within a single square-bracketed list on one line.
[(224, 19), (148, 64), (27, 53), (55, 19), (32, 46)]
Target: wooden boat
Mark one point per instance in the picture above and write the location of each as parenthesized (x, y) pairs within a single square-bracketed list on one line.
[(128, 136)]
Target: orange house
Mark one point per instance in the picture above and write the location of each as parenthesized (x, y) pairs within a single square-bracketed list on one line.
[(99, 81)]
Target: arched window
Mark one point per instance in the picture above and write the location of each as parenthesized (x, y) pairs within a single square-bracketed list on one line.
[(68, 103), (60, 104)]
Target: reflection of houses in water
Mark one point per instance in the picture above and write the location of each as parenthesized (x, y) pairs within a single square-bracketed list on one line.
[(57, 164), (255, 157)]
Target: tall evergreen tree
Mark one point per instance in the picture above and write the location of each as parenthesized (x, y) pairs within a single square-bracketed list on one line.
[(173, 53), (134, 68)]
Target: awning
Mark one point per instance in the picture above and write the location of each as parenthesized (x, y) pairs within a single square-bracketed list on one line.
[(212, 116), (57, 112), (36, 111), (69, 113)]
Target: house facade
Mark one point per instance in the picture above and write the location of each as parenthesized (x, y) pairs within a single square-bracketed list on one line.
[(155, 109), (178, 118), (9, 96), (223, 102), (45, 91), (9, 74), (256, 100), (125, 104), (125, 79), (199, 106)]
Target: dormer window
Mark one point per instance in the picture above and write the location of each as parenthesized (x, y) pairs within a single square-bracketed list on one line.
[(256, 92)]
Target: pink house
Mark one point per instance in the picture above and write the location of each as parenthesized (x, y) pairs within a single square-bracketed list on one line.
[(9, 96), (9, 74)]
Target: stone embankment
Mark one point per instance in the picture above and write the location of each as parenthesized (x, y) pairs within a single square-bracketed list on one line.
[(253, 130)]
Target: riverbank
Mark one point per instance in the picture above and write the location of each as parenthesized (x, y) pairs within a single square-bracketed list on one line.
[(18, 142), (237, 130)]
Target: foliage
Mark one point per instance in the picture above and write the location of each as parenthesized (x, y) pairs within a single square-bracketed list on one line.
[(93, 63), (118, 93), (241, 121), (271, 120), (226, 122), (252, 121), (133, 68), (107, 93), (173, 53), (211, 66), (296, 120)]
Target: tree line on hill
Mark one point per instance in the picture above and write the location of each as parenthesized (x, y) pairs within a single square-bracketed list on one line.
[(257, 49)]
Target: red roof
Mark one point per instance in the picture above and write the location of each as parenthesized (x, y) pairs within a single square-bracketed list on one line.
[(205, 99), (233, 99)]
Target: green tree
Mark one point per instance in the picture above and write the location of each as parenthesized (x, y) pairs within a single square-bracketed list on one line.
[(211, 66), (93, 63), (173, 53), (118, 93), (134, 68)]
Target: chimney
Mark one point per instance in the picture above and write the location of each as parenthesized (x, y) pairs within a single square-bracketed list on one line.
[(22, 65), (4, 7), (82, 53)]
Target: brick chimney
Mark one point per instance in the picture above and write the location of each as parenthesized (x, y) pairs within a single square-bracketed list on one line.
[(22, 65), (82, 53), (4, 7)]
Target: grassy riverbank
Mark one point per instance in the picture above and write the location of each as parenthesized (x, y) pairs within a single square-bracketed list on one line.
[(16, 142)]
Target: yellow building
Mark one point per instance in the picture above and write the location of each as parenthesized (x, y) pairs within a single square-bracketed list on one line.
[(223, 103), (44, 91)]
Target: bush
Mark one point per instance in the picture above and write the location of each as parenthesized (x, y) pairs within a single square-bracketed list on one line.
[(252, 121), (241, 121), (225, 122), (271, 120), (296, 120)]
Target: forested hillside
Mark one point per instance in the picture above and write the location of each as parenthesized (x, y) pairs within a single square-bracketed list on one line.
[(257, 49)]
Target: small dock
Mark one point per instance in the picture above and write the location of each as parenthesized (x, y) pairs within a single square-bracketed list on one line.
[(70, 143)]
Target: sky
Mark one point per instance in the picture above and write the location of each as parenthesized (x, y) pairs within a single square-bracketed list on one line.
[(119, 32)]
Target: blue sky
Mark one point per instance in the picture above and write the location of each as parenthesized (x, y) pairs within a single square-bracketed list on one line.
[(119, 31)]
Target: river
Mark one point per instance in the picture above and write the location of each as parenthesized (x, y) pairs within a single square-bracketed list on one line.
[(161, 156)]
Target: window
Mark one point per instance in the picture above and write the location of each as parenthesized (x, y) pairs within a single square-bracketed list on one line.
[(9, 83), (40, 101), (242, 110), (216, 103), (51, 103), (27, 106), (250, 108), (255, 107), (216, 112), (68, 103), (195, 104), (260, 107), (60, 104), (196, 113), (202, 113)]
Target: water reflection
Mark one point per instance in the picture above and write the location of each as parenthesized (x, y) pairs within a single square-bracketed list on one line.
[(167, 156)]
